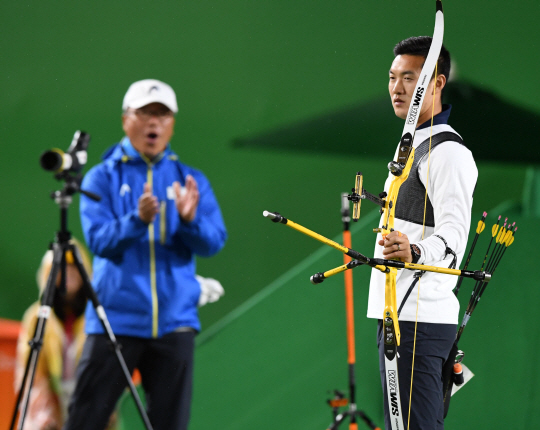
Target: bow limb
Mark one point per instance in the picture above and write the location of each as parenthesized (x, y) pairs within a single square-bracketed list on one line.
[(401, 168)]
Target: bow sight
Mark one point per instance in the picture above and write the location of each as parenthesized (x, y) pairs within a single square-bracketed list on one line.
[(358, 194)]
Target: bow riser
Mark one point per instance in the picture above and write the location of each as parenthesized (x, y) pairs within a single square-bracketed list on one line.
[(390, 204)]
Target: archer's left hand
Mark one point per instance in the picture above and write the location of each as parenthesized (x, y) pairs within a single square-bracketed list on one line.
[(186, 198), (396, 245)]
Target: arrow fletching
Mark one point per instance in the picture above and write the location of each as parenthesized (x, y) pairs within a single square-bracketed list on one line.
[(481, 224)]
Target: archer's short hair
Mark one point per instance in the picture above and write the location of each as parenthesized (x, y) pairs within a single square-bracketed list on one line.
[(420, 46)]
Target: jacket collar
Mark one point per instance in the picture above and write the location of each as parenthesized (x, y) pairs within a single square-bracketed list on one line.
[(124, 151), (440, 118)]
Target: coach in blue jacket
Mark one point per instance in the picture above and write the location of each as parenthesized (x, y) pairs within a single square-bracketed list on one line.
[(154, 216)]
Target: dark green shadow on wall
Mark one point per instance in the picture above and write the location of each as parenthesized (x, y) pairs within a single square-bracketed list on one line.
[(494, 129)]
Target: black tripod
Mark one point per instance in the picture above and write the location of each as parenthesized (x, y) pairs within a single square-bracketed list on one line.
[(60, 246)]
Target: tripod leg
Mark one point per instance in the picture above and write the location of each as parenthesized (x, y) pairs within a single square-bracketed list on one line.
[(29, 373), (44, 312), (367, 420), (338, 420), (91, 294), (352, 423)]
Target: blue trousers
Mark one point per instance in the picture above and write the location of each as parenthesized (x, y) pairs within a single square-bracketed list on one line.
[(166, 368), (433, 344)]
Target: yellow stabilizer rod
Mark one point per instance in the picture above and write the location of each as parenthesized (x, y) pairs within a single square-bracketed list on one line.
[(276, 217), (383, 265), (377, 263), (318, 278), (476, 274)]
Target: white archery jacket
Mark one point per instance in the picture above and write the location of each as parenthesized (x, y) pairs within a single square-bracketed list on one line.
[(452, 179)]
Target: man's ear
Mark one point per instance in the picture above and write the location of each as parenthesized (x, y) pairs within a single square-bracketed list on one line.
[(124, 118), (441, 83)]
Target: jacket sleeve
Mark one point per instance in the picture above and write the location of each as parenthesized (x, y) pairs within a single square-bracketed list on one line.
[(452, 179), (107, 234), (206, 234)]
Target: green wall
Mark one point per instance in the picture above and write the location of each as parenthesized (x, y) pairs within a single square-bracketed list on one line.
[(240, 69)]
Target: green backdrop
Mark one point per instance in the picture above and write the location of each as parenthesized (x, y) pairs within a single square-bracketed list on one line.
[(290, 70)]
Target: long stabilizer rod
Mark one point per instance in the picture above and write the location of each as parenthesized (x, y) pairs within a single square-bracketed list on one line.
[(377, 263)]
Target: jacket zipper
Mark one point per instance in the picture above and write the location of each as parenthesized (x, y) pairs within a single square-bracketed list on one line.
[(153, 281)]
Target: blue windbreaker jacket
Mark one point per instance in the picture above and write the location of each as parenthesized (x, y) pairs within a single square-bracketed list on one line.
[(144, 275)]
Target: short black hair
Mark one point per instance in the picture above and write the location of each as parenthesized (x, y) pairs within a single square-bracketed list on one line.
[(420, 46)]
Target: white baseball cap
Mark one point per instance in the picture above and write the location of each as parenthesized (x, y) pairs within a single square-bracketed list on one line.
[(148, 91)]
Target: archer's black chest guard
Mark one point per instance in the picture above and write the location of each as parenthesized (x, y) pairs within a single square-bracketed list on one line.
[(410, 201)]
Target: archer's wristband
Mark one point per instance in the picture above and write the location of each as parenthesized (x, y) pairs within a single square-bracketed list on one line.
[(416, 253)]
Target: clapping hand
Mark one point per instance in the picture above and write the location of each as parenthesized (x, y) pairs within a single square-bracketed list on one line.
[(187, 198), (148, 205)]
